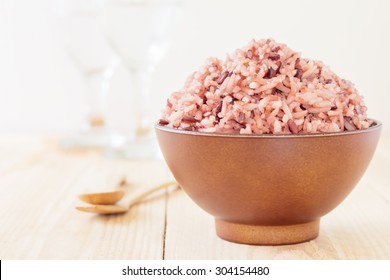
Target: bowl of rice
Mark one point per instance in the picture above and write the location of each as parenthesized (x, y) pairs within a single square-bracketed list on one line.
[(267, 142)]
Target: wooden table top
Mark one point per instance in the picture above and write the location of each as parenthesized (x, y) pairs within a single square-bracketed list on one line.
[(39, 185)]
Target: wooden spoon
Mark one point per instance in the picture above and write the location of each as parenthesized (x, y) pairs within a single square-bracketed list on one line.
[(118, 209), (105, 198)]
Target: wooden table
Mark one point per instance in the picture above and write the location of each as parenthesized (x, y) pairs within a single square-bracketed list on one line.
[(39, 185)]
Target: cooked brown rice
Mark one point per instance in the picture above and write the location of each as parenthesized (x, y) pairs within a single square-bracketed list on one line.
[(265, 88)]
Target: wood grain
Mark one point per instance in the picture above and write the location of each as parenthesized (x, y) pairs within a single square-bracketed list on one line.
[(39, 185), (38, 216)]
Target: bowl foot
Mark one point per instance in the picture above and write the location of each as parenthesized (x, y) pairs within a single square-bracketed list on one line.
[(267, 235)]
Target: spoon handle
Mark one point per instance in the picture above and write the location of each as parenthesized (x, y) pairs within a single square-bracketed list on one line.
[(145, 194)]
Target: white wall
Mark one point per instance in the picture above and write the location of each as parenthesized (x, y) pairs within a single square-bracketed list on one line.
[(42, 90)]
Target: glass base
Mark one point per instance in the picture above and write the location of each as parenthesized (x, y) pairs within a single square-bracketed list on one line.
[(141, 148), (93, 138)]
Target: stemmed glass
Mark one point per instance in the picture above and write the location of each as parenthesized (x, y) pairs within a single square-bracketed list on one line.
[(140, 31), (87, 47)]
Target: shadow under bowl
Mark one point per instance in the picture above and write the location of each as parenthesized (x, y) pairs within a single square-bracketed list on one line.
[(268, 189)]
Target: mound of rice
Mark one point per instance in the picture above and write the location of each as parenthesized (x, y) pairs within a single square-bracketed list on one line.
[(265, 88)]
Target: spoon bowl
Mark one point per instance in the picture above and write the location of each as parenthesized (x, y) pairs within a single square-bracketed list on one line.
[(103, 198), (118, 209), (107, 198)]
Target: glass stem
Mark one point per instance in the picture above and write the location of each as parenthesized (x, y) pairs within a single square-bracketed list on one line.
[(142, 101), (97, 89)]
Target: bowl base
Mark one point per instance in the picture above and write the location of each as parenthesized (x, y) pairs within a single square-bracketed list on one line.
[(267, 235)]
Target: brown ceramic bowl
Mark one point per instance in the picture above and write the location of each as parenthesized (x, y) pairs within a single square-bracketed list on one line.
[(268, 189)]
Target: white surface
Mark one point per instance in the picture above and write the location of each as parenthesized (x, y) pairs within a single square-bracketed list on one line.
[(196, 269), (42, 90)]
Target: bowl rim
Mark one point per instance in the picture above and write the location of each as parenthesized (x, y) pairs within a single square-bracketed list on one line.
[(377, 125)]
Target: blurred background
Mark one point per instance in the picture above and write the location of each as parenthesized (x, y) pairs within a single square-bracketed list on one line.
[(43, 87)]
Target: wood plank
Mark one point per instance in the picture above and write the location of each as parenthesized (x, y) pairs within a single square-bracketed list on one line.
[(135, 235), (38, 219), (39, 185)]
